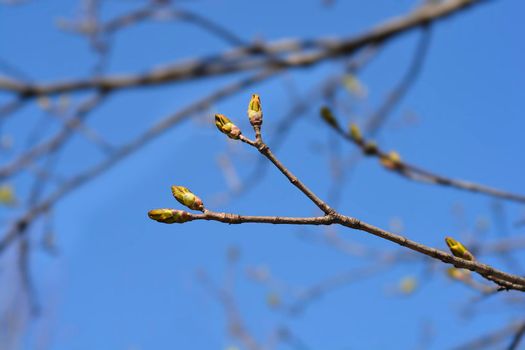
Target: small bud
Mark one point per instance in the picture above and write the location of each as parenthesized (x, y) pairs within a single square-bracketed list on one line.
[(7, 195), (169, 216), (458, 249), (255, 111), (328, 117), (355, 133), (370, 148), (458, 274), (227, 127), (408, 285), (354, 86), (391, 160), (187, 198)]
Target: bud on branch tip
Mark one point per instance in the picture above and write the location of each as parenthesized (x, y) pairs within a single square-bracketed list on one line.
[(187, 198), (169, 216), (227, 127), (255, 111)]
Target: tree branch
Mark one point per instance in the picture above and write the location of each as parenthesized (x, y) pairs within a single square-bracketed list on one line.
[(413, 172), (295, 53), (505, 280)]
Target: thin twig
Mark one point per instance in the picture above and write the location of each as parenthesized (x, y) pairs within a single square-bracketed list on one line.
[(517, 337), (226, 298), (491, 339), (378, 118), (505, 280), (54, 142), (416, 173)]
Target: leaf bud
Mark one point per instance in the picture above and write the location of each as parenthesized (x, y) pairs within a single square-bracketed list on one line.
[(328, 117), (391, 161), (255, 113), (227, 127), (355, 133), (458, 249), (169, 216), (187, 198)]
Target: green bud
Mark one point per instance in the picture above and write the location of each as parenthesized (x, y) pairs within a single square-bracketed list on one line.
[(458, 274), (458, 249), (169, 216), (7, 195), (187, 198), (255, 113), (408, 285), (391, 161), (355, 133), (227, 127), (328, 117)]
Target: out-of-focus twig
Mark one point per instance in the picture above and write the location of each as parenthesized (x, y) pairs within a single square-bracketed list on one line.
[(24, 220), (516, 339), (225, 296), (290, 53), (492, 338), (377, 119), (54, 142), (393, 162)]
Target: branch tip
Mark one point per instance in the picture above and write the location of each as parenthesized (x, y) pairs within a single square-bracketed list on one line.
[(226, 126), (185, 197), (169, 216)]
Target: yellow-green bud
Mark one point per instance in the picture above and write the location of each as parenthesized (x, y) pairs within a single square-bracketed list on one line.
[(169, 216), (187, 198), (355, 133), (7, 195), (392, 160), (255, 113), (458, 274), (328, 117), (227, 127), (458, 249), (408, 285)]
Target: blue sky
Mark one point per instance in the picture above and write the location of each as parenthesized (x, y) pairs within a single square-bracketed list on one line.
[(121, 281)]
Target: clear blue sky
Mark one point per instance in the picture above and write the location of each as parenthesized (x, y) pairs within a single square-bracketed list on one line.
[(122, 281)]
